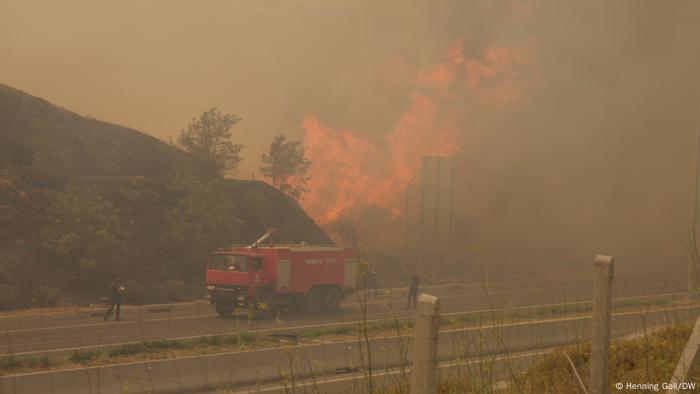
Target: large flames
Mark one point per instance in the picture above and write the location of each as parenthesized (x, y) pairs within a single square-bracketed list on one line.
[(350, 170)]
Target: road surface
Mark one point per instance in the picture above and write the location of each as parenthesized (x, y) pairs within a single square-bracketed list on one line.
[(34, 335), (242, 371)]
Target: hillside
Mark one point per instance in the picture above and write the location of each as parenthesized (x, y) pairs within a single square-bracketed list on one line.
[(82, 200)]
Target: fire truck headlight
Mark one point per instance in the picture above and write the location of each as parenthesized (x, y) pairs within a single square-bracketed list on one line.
[(211, 287)]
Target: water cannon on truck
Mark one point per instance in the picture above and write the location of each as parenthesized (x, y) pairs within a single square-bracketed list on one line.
[(266, 278)]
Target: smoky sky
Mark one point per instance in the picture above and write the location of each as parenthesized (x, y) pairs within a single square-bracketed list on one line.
[(595, 156)]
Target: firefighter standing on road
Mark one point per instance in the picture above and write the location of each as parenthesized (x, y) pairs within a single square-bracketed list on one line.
[(115, 295), (413, 290)]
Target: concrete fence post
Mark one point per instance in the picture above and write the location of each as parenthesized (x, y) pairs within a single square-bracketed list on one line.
[(688, 363), (425, 337), (600, 333)]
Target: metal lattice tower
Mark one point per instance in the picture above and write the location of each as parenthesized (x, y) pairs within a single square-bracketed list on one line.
[(429, 217)]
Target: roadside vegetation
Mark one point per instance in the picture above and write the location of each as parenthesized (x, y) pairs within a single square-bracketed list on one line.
[(647, 358)]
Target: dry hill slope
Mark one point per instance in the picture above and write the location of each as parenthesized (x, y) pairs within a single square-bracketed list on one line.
[(82, 200)]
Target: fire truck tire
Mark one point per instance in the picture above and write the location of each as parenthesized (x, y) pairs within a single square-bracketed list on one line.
[(224, 311), (331, 302), (313, 300)]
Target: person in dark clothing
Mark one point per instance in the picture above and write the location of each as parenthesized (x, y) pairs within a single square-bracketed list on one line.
[(413, 290), (115, 295)]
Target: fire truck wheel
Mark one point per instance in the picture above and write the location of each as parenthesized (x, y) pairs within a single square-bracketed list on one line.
[(313, 300), (331, 303), (224, 311)]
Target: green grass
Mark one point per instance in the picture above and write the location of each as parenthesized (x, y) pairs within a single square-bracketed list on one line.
[(243, 338), (163, 345), (11, 363), (344, 330), (131, 349), (159, 347), (83, 357)]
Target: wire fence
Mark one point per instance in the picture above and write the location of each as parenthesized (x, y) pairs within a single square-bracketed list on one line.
[(491, 333)]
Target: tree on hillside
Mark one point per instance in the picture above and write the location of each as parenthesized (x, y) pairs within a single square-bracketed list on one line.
[(286, 165), (50, 168), (86, 233), (202, 220), (208, 139)]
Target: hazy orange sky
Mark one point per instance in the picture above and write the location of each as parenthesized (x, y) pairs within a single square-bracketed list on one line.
[(594, 154), (153, 65)]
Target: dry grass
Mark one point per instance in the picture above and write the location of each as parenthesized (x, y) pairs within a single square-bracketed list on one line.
[(646, 359)]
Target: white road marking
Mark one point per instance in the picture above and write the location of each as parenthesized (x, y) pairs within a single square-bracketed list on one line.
[(466, 329)]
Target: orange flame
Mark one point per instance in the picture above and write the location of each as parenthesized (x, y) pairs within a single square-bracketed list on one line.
[(500, 66), (350, 170)]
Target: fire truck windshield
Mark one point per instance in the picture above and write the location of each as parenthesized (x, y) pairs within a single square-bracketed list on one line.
[(229, 262)]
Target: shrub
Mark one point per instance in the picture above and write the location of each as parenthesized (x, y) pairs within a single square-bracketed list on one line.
[(10, 363), (47, 362), (171, 290), (127, 349), (82, 357), (136, 293), (9, 296), (46, 296), (141, 347)]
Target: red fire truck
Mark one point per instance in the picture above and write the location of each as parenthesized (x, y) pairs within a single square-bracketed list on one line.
[(264, 278)]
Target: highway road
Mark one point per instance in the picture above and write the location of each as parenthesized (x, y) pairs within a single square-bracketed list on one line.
[(64, 332), (501, 366), (327, 362)]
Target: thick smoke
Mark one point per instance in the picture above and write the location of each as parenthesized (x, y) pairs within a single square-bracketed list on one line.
[(574, 130), (573, 122)]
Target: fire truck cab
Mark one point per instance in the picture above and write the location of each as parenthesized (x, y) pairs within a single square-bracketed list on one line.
[(267, 278)]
